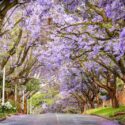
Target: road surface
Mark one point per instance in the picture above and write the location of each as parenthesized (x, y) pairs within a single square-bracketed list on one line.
[(56, 119)]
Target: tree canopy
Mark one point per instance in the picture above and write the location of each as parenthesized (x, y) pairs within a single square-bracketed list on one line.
[(79, 42)]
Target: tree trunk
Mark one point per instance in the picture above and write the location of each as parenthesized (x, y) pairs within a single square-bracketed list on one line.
[(82, 108), (123, 78), (113, 92), (114, 100), (25, 106), (92, 104)]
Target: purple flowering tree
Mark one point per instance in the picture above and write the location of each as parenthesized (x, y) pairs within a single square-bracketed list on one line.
[(56, 33), (80, 86)]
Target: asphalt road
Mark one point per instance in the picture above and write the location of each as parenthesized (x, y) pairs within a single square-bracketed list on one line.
[(56, 119)]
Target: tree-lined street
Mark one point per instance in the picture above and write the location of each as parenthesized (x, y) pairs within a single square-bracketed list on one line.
[(62, 56)]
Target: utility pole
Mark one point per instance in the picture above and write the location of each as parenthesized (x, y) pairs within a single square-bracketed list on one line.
[(3, 87), (15, 93), (23, 101)]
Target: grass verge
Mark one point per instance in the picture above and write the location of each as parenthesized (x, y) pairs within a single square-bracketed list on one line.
[(109, 112), (2, 116)]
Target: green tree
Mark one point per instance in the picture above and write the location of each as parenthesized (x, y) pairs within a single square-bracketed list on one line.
[(33, 85)]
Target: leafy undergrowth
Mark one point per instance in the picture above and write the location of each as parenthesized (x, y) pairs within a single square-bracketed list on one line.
[(7, 110), (109, 112), (120, 118), (2, 115), (6, 114)]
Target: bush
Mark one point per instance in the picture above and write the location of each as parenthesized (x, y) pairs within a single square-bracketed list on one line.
[(8, 108)]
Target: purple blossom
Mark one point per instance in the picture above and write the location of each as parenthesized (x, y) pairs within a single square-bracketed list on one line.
[(122, 41), (108, 11), (122, 34), (29, 12)]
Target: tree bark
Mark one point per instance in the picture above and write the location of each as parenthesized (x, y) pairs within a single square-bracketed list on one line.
[(82, 107), (114, 100), (92, 105)]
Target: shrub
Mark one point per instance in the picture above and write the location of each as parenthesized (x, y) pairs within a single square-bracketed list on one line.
[(8, 108)]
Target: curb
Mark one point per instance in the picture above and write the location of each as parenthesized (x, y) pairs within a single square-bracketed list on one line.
[(9, 115), (2, 119), (107, 118), (121, 123), (102, 117)]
